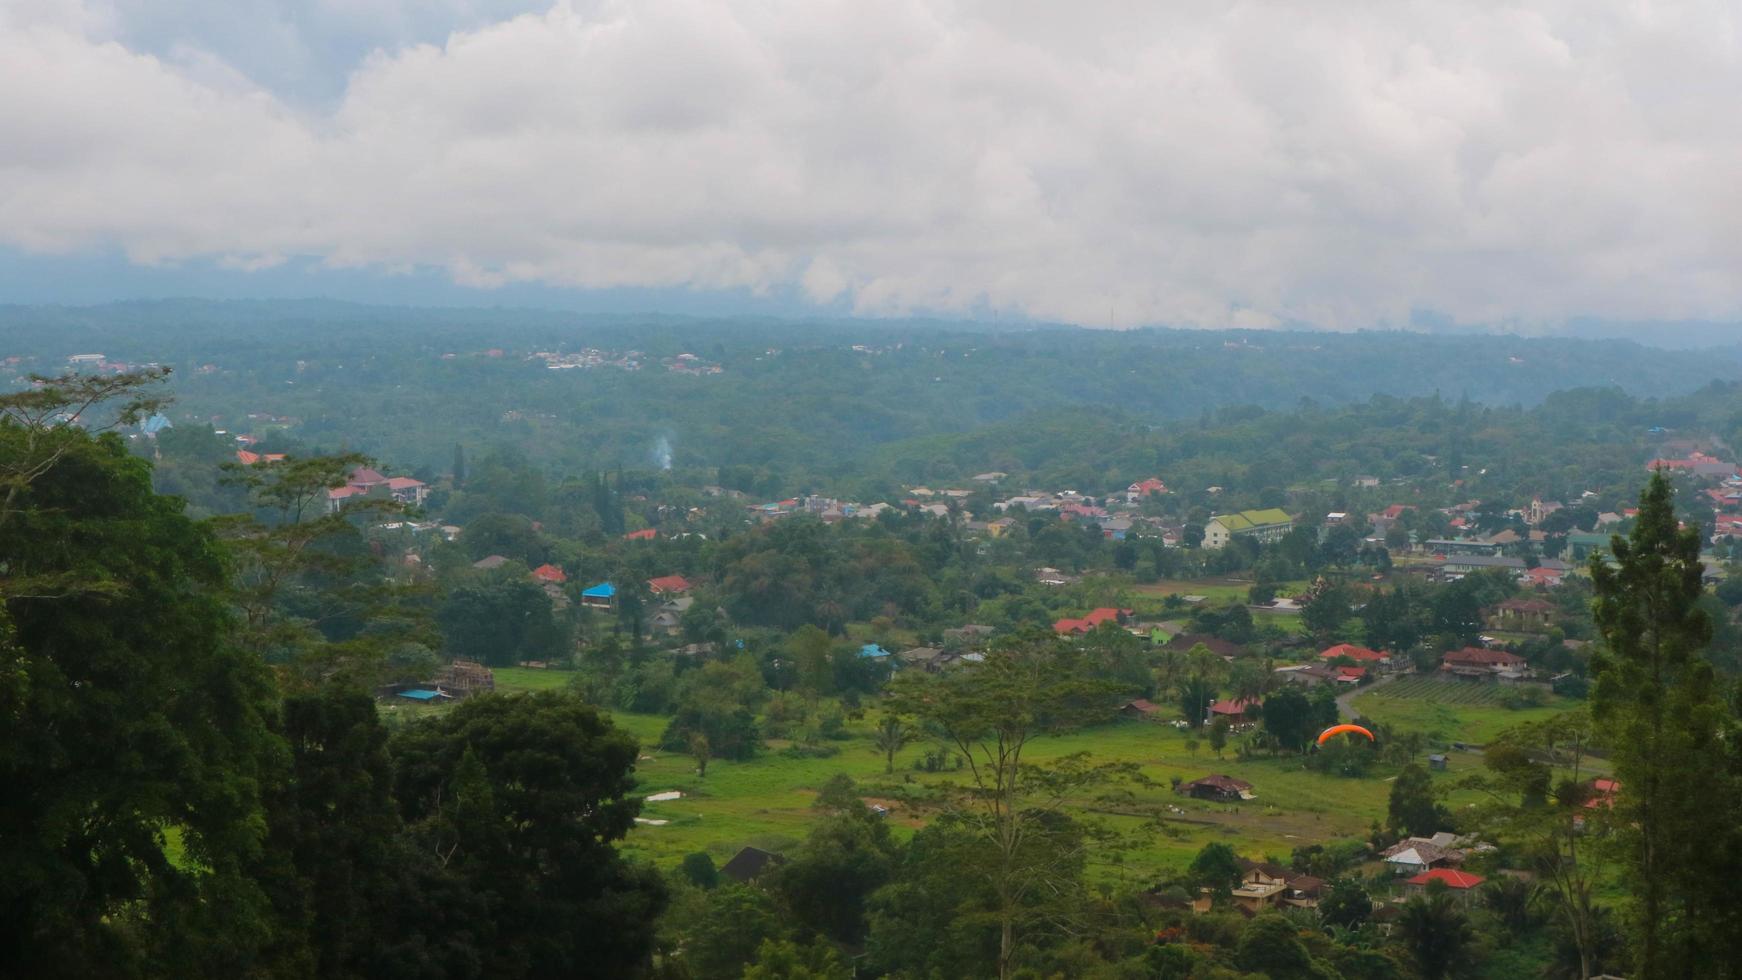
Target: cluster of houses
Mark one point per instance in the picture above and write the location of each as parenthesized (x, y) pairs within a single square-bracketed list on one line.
[(365, 484)]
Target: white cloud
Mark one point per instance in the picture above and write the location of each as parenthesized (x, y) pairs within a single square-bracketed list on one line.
[(1236, 163)]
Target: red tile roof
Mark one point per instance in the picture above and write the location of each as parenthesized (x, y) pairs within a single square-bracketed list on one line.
[(1353, 652), (1355, 672), (645, 534), (668, 583), (1453, 879), (549, 573)]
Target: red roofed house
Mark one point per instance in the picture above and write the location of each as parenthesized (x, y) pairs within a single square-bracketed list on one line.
[(337, 496), (1355, 653), (407, 490), (1087, 623), (1542, 578), (668, 585), (1460, 883), (1603, 793), (1239, 712), (645, 534), (550, 573), (1477, 663), (364, 482), (1137, 491), (1350, 675)]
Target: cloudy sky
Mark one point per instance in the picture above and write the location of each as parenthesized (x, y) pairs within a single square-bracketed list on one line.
[(1344, 164)]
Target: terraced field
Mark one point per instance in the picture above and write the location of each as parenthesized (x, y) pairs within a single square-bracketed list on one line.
[(1441, 691)]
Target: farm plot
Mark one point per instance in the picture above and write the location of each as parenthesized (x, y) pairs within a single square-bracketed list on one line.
[(1440, 691)]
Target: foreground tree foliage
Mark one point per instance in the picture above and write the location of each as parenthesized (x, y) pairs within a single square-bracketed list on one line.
[(522, 798), (1673, 746), (166, 815), (133, 734)]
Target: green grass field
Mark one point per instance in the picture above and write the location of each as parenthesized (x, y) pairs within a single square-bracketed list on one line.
[(767, 801), (1450, 711)]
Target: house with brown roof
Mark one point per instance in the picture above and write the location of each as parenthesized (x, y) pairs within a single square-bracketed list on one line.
[(1475, 663), (1527, 615), (1413, 855), (1222, 648), (1241, 712), (1139, 708)]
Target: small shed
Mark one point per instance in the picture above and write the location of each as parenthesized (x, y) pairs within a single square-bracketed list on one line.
[(749, 863), (1436, 762)]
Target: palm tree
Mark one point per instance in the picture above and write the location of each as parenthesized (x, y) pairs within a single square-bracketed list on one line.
[(1435, 931), (1195, 695), (890, 737)]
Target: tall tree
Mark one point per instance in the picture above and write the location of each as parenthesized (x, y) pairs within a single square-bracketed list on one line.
[(1656, 701), (1027, 688), (1435, 931), (524, 797), (133, 736)]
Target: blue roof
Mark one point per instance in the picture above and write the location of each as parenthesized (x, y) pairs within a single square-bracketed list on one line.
[(420, 695), (604, 590), (872, 650), (155, 424)]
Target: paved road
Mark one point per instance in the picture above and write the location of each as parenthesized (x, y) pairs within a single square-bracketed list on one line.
[(1347, 713)]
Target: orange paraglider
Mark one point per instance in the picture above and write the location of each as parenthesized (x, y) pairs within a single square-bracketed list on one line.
[(1340, 729)]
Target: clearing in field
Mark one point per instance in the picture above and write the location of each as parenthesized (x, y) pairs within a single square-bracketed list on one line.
[(1450, 710)]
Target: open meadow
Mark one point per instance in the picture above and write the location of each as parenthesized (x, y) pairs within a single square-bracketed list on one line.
[(767, 800), (1449, 710)]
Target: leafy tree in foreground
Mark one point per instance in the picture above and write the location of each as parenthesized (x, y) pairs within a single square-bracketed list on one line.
[(991, 711), (523, 797), (1436, 932), (126, 722), (1656, 702)]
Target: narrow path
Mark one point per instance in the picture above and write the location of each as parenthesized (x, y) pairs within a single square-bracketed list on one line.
[(1344, 710)]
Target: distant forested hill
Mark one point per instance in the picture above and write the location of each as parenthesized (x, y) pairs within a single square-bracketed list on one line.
[(816, 401)]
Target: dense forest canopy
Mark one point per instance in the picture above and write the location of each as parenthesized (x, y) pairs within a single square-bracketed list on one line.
[(811, 401)]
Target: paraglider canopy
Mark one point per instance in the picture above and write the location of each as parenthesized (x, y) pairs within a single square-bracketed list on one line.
[(1335, 730)]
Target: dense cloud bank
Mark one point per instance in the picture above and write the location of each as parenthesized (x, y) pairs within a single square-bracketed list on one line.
[(1226, 164)]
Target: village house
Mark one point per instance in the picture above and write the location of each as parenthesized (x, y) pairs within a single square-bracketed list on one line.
[(490, 563), (1264, 885), (1307, 675), (750, 863), (1184, 642), (601, 596), (669, 585), (669, 618), (1526, 615), (1139, 708), (1461, 884), (1077, 627), (925, 658), (1475, 663), (1135, 493), (367, 483), (1359, 654), (1414, 855), (1241, 712), (1221, 788), (1268, 526)]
